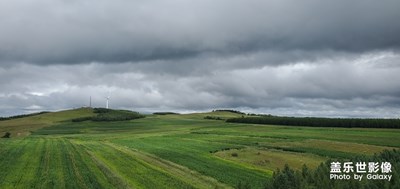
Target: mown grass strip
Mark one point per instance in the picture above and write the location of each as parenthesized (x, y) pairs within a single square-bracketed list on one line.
[(113, 178), (42, 172), (189, 176), (83, 170), (134, 171), (196, 155), (10, 160)]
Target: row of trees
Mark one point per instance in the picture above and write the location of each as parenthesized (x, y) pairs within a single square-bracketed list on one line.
[(319, 122), (165, 113), (288, 178), (21, 116), (232, 111), (213, 117)]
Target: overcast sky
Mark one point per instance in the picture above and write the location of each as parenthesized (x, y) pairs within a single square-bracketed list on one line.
[(285, 57)]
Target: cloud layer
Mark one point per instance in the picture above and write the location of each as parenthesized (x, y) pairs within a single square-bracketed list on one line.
[(305, 58), (48, 31)]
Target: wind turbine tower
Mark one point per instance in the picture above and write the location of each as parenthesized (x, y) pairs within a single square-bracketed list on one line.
[(108, 99)]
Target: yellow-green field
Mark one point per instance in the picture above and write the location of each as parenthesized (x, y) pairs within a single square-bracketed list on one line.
[(167, 151), (22, 127)]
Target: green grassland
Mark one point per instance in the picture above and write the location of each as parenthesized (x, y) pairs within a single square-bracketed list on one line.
[(168, 151)]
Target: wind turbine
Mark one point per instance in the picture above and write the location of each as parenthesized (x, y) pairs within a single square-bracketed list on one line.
[(108, 99)]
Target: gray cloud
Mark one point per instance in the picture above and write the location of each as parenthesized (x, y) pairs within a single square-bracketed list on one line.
[(343, 86), (48, 32), (310, 58)]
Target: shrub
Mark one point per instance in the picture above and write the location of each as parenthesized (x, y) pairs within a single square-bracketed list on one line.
[(7, 135)]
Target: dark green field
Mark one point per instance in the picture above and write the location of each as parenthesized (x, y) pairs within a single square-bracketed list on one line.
[(168, 151)]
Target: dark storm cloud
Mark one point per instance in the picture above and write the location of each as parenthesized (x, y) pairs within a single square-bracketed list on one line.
[(48, 31), (287, 57)]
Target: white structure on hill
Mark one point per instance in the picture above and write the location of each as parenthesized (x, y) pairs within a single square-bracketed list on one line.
[(108, 99)]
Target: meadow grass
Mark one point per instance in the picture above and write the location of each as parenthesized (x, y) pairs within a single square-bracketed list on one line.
[(168, 151)]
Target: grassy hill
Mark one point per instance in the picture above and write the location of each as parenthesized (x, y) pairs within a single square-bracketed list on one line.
[(22, 127), (168, 151)]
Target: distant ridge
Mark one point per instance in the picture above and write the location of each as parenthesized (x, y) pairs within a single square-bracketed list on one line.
[(23, 115), (24, 125)]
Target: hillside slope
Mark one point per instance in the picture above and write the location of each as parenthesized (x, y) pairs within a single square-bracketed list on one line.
[(22, 127)]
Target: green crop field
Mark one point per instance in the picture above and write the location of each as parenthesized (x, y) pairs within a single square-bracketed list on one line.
[(168, 151)]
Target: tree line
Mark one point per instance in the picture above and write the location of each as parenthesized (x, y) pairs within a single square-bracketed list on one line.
[(165, 113), (213, 117), (232, 111), (307, 178), (103, 114), (22, 116), (319, 122)]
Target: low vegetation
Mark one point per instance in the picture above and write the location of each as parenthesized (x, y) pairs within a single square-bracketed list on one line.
[(6, 135)]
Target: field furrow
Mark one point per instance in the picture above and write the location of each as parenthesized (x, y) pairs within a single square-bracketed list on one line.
[(12, 159), (135, 172)]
